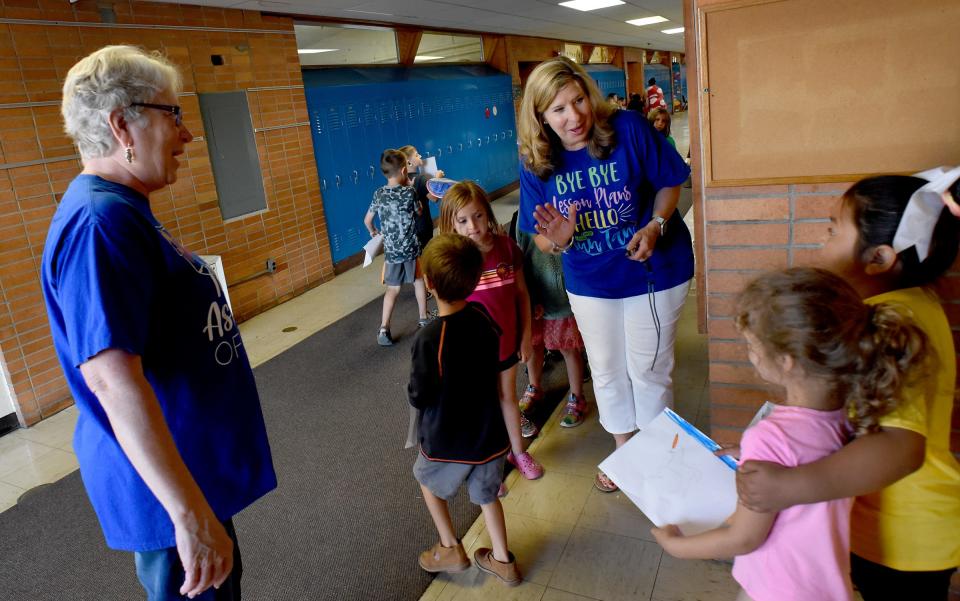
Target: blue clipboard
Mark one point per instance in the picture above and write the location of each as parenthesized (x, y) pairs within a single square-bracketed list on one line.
[(701, 438)]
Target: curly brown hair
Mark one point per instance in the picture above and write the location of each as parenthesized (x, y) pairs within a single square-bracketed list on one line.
[(539, 145), (866, 353)]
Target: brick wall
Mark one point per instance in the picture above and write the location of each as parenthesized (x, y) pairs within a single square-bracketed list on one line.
[(260, 56), (750, 230), (742, 231)]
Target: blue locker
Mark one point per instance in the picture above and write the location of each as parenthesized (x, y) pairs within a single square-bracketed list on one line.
[(356, 113), (609, 79)]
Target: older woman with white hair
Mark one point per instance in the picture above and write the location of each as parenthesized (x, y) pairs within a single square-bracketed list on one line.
[(170, 437), (601, 187)]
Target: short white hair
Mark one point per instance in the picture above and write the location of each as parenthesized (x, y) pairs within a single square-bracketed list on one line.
[(111, 78)]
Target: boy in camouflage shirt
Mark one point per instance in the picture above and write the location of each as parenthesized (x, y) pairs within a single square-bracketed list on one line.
[(397, 207)]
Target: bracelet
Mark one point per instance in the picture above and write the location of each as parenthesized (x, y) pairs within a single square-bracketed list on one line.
[(562, 249)]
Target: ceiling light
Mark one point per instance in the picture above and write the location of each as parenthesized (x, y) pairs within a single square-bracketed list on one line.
[(646, 21), (315, 50), (427, 57), (586, 5), (676, 30)]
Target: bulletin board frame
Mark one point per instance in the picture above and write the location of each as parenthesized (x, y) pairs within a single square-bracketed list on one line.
[(822, 91)]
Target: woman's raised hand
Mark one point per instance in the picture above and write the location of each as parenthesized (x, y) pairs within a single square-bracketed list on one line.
[(552, 225)]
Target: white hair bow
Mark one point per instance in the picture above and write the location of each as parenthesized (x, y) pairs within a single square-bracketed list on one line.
[(923, 211)]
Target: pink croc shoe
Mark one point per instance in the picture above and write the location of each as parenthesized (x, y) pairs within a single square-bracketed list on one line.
[(526, 464)]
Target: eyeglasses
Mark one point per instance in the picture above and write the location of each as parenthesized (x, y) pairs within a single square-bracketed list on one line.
[(170, 108)]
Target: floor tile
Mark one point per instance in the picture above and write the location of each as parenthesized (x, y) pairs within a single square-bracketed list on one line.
[(49, 467), (684, 579), (474, 585), (55, 431), (537, 545), (18, 453), (616, 514), (9, 495), (568, 452), (555, 497), (553, 594), (607, 566)]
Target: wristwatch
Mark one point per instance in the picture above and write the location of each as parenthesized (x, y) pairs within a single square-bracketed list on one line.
[(662, 223)]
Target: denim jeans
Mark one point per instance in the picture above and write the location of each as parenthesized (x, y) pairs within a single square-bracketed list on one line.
[(161, 574)]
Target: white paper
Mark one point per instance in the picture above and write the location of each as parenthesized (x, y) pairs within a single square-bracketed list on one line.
[(372, 248), (922, 212), (430, 166), (673, 478)]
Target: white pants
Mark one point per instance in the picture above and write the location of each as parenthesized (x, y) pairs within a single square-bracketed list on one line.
[(621, 341)]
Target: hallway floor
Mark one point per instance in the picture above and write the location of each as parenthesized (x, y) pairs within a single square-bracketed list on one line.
[(572, 541)]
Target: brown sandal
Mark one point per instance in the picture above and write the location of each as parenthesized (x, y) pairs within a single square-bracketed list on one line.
[(603, 483)]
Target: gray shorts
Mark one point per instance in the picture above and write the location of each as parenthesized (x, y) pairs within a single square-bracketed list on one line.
[(395, 274), (444, 478)]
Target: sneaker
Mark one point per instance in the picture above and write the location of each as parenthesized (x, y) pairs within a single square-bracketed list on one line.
[(528, 429), (530, 396), (383, 337), (526, 464), (507, 573), (575, 412), (444, 559), (423, 322)]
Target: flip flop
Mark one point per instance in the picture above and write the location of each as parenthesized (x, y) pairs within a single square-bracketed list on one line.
[(603, 483)]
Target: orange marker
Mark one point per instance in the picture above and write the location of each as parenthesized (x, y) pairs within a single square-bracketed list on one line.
[(676, 439)]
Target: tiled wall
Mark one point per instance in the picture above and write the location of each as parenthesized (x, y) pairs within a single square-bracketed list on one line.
[(749, 230), (259, 55)]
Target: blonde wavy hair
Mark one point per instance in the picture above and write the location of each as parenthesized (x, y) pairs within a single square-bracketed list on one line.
[(538, 143), (460, 195), (865, 353)]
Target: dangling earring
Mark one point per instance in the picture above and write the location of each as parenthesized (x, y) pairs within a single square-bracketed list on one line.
[(128, 154)]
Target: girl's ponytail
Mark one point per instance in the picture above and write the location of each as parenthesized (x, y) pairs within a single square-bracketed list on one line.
[(866, 353), (893, 354)]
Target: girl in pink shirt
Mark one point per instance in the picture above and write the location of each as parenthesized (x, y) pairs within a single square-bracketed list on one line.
[(502, 290), (810, 333)]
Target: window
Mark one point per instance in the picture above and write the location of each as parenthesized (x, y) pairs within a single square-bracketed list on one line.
[(345, 45), (449, 48)]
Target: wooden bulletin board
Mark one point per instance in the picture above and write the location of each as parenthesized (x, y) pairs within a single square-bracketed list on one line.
[(828, 90)]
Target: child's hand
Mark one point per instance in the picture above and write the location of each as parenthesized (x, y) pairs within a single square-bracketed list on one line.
[(440, 173), (729, 449), (760, 486), (952, 205), (374, 233), (666, 536)]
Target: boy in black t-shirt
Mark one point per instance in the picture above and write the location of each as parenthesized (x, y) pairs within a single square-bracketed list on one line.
[(454, 382)]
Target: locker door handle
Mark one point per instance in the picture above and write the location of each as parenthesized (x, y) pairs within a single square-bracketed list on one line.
[(496, 137), (488, 139), (323, 185), (461, 146), (356, 176), (449, 149), (479, 142), (372, 171), (510, 132), (338, 182), (439, 152)]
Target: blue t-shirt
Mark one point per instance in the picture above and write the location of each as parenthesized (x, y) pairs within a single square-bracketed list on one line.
[(614, 198), (114, 278)]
